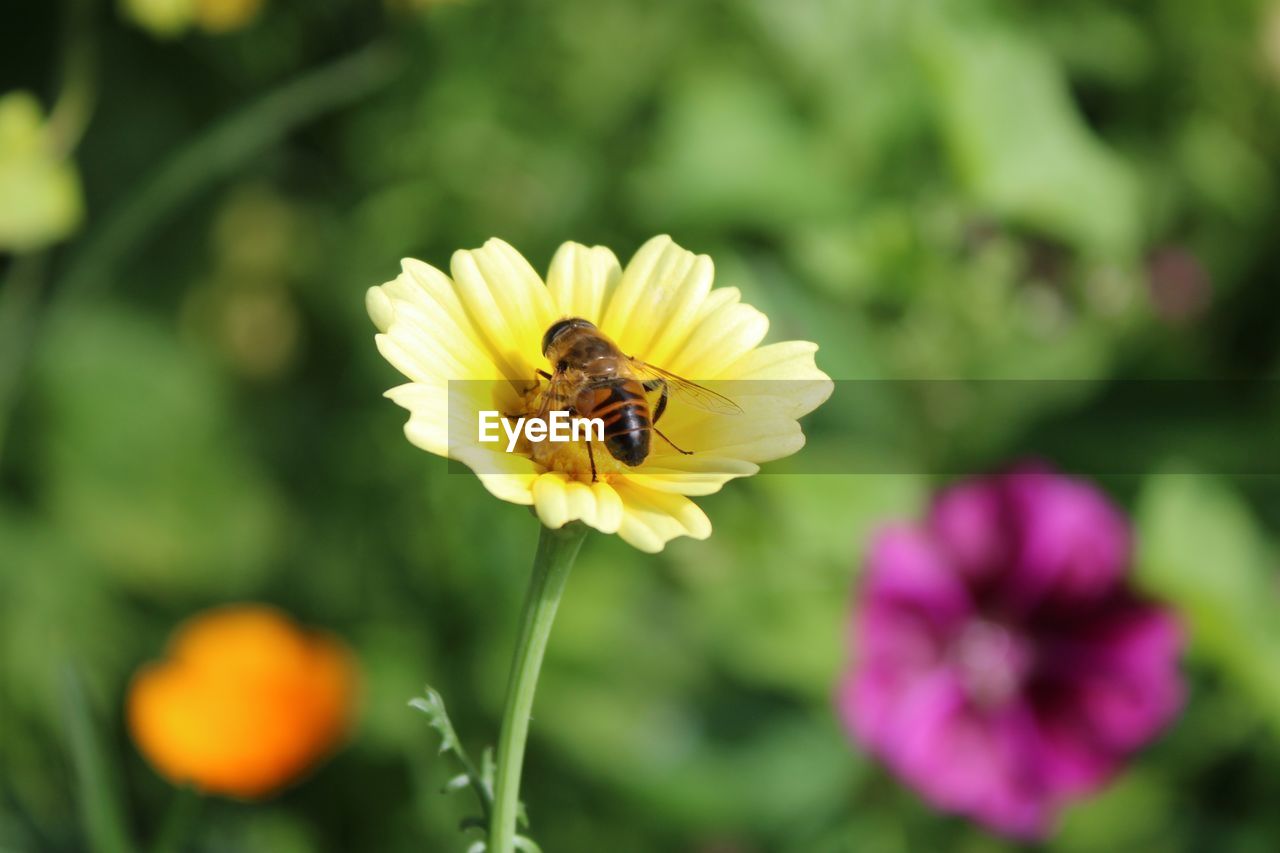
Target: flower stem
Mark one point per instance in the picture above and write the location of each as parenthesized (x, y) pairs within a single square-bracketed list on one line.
[(557, 550)]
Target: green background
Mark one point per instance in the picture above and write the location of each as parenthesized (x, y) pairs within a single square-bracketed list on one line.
[(979, 190)]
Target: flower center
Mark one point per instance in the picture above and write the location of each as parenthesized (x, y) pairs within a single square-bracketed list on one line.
[(993, 661), (569, 457)]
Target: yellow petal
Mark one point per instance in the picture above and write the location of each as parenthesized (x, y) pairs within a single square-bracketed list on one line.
[(609, 508), (760, 435), (657, 299), (445, 418), (508, 304), (550, 501), (787, 372), (785, 360), (680, 482), (425, 333), (581, 278), (559, 500), (580, 501), (719, 339), (651, 519), (507, 476), (428, 405), (702, 462)]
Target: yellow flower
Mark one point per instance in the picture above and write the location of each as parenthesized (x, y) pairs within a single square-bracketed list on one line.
[(41, 190), (244, 702), (169, 18), (224, 16), (485, 325), (163, 18)]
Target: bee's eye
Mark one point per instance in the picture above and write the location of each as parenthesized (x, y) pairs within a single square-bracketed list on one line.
[(562, 365)]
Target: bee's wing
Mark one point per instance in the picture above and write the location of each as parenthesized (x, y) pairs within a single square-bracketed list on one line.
[(685, 391), (555, 395)]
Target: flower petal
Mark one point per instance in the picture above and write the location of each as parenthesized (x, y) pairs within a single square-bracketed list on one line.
[(970, 523), (680, 482), (1111, 685), (966, 762), (515, 484), (905, 570), (650, 519), (753, 436), (581, 279), (609, 508), (1073, 545), (786, 371), (559, 500), (425, 333), (725, 331), (508, 305), (654, 305), (550, 500), (428, 424)]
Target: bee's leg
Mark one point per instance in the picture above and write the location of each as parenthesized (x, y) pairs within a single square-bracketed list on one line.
[(653, 385), (591, 456), (669, 441)]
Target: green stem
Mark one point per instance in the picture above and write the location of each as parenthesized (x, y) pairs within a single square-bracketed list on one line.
[(79, 92), (101, 808), (557, 550), (19, 300), (175, 832), (214, 155), (219, 153)]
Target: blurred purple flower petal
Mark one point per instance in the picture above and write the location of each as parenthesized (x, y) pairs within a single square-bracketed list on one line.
[(1003, 666)]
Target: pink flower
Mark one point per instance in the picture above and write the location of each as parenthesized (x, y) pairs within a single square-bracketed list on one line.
[(1003, 664)]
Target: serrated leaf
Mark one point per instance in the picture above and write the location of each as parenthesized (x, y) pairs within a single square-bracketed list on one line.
[(432, 705), (457, 783), (526, 844), (488, 768)]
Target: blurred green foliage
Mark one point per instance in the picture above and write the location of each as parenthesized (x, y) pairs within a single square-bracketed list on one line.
[(189, 394)]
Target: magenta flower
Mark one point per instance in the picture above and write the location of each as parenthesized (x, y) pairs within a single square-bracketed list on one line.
[(1003, 665)]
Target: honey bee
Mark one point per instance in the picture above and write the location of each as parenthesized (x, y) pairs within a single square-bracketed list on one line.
[(593, 378)]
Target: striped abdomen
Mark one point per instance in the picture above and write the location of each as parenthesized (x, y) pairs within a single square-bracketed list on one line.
[(622, 406)]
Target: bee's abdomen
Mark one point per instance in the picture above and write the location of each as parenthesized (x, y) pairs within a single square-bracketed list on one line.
[(625, 412)]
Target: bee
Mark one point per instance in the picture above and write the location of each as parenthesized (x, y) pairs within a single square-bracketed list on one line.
[(593, 378)]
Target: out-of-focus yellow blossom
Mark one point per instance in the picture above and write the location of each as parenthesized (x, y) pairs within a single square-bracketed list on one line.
[(244, 702), (167, 18), (40, 197), (487, 323), (164, 18), (224, 16)]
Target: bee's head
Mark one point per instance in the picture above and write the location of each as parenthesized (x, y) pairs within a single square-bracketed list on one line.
[(560, 327)]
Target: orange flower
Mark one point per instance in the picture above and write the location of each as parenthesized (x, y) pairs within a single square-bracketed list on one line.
[(244, 702)]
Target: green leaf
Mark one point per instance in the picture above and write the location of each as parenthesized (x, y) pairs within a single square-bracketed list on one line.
[(432, 705), (1020, 145), (729, 152), (481, 781), (143, 458), (527, 845), (1200, 548)]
